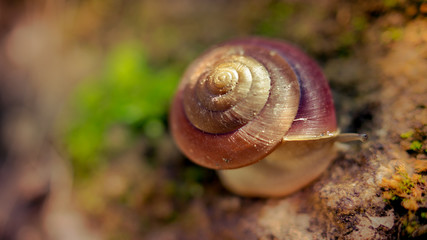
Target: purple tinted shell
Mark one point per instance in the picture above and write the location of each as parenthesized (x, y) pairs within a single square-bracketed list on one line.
[(316, 111), (298, 87)]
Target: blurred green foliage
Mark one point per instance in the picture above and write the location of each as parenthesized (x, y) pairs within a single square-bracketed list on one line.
[(128, 98), (273, 23)]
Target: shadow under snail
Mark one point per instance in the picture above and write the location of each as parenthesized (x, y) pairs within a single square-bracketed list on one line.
[(260, 111)]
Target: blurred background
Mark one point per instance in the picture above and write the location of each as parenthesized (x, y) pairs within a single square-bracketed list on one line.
[(85, 88)]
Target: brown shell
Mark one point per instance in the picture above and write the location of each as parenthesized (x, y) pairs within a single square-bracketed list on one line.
[(299, 105)]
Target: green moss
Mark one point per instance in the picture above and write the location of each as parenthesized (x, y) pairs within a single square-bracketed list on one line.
[(406, 184), (414, 141), (128, 92), (416, 145), (406, 190), (407, 134)]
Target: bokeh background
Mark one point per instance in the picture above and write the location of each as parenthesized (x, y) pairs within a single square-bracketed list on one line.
[(85, 88)]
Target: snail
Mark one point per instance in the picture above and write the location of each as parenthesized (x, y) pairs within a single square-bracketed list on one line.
[(259, 111)]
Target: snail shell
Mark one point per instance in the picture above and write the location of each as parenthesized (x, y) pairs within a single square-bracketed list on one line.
[(240, 100)]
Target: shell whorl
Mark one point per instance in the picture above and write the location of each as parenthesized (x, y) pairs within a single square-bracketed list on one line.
[(264, 95), (229, 94), (239, 100)]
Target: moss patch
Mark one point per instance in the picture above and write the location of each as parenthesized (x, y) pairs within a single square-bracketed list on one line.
[(406, 192)]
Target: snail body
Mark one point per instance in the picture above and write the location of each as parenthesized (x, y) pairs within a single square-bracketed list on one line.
[(261, 112)]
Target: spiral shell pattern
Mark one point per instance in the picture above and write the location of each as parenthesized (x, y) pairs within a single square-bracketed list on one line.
[(228, 95), (239, 100)]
